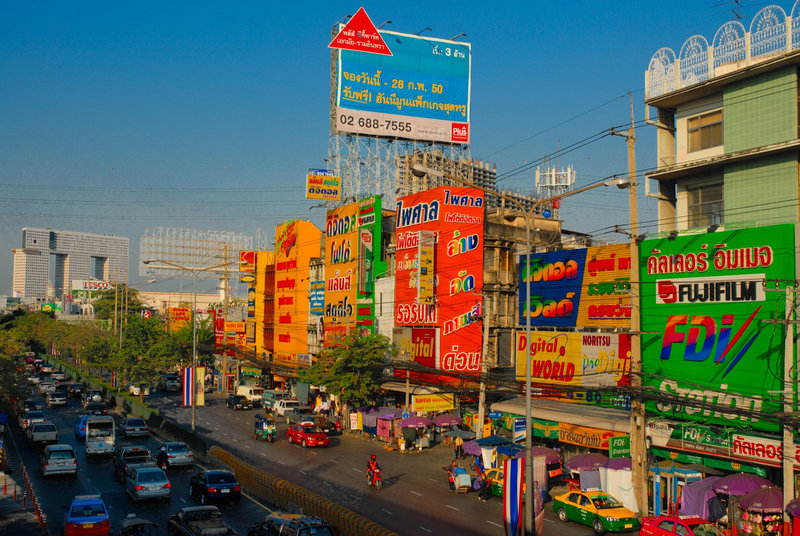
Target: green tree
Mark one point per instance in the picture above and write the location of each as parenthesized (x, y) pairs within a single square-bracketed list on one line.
[(353, 369)]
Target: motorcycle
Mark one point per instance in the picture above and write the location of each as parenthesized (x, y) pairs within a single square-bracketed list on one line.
[(374, 478)]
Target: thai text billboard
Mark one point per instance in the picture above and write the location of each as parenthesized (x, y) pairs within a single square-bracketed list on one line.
[(323, 184), (455, 214), (587, 287), (420, 92), (341, 271), (711, 347), (370, 223)]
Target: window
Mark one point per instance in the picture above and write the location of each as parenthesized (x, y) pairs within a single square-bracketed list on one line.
[(705, 131), (705, 205)]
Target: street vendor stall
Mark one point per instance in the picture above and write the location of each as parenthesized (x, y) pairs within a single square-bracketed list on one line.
[(761, 512), (733, 487)]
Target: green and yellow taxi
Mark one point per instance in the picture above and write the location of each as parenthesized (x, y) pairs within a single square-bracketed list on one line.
[(495, 478), (596, 509)]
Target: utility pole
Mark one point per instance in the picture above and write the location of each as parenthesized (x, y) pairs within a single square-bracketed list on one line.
[(484, 355), (789, 368), (639, 468)]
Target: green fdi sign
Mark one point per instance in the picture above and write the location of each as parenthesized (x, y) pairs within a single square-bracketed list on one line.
[(711, 349), (619, 447)]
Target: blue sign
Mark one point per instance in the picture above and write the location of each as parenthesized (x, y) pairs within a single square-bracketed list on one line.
[(520, 430), (316, 297), (406, 415), (556, 280), (495, 415)]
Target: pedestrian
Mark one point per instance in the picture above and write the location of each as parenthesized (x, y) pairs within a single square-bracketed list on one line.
[(485, 491), (459, 447)]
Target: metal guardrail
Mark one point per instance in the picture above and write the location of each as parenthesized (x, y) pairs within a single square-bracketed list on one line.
[(282, 493)]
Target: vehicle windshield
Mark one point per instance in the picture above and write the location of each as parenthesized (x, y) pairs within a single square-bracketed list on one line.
[(706, 529), (605, 502), (100, 429), (135, 422), (88, 510), (221, 478), (61, 454), (151, 476), (312, 429), (180, 447), (40, 428), (35, 415)]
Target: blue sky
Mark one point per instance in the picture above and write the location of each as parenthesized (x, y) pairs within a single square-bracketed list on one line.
[(119, 117)]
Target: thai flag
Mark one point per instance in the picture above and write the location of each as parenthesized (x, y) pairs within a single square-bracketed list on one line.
[(188, 385), (114, 378), (52, 348), (512, 495)]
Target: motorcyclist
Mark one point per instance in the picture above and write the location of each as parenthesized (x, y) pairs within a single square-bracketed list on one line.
[(162, 460), (372, 465)]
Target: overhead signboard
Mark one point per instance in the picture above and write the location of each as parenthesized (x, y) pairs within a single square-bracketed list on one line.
[(316, 297), (247, 261), (341, 272), (323, 184), (360, 34), (234, 327), (421, 91), (711, 348), (434, 402)]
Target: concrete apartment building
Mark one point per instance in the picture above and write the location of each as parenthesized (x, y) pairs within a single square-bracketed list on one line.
[(49, 257)]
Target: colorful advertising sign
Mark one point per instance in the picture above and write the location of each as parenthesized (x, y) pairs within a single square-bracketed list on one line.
[(316, 297), (435, 402), (341, 271), (584, 436), (456, 216), (247, 261), (323, 184), (710, 345), (179, 317), (370, 224), (577, 287), (417, 344), (420, 92), (234, 327), (426, 272)]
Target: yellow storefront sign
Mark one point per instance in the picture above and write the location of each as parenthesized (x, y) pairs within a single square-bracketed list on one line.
[(584, 436), (427, 403), (234, 327)]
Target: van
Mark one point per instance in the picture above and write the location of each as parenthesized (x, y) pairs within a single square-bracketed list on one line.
[(270, 396), (100, 434), (58, 460), (251, 393)]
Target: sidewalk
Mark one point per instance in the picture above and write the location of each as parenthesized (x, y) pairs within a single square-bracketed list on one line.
[(14, 517)]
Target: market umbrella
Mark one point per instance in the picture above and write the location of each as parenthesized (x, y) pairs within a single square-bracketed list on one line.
[(617, 463), (550, 455), (472, 448), (695, 496), (588, 461), (415, 421), (492, 440), (390, 414), (739, 484), (448, 419), (793, 508), (463, 434), (763, 500)]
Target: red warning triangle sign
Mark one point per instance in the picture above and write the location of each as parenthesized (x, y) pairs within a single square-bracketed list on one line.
[(361, 35)]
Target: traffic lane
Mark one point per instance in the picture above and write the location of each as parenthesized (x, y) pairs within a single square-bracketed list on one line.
[(339, 473), (96, 475)]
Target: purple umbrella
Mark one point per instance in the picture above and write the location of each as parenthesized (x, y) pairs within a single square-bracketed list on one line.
[(763, 500), (415, 422), (551, 456), (447, 419), (739, 484), (472, 448), (793, 508), (390, 415), (695, 496), (588, 462), (618, 463)]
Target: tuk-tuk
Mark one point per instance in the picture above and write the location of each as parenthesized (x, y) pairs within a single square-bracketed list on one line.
[(136, 526), (264, 427)]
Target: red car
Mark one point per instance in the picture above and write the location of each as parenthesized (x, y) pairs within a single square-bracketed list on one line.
[(307, 434), (678, 526)]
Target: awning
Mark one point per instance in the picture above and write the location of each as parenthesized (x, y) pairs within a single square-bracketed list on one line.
[(413, 389), (615, 420)]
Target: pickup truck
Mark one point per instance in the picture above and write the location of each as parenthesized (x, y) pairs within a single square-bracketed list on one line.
[(198, 521), (128, 458), (282, 406), (41, 433), (300, 414)]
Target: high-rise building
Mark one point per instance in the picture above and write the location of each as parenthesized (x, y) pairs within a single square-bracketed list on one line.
[(56, 258)]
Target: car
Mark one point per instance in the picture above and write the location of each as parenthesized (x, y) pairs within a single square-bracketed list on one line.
[(28, 405), (214, 485), (47, 368), (80, 427), (134, 427), (59, 375), (57, 398), (282, 406), (596, 509), (41, 433), (126, 459), (97, 408), (169, 383), (327, 426), (307, 434), (238, 402), (31, 417), (301, 525), (58, 459), (147, 483), (76, 390), (46, 387), (32, 377), (87, 515), (673, 525), (178, 453), (198, 521), (136, 389), (496, 477)]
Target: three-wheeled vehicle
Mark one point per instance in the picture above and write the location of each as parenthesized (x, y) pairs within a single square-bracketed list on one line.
[(136, 526), (264, 427)]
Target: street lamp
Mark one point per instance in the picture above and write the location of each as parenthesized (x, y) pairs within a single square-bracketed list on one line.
[(196, 274), (622, 182)]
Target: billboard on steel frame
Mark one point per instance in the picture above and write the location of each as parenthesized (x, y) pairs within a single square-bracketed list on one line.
[(420, 92)]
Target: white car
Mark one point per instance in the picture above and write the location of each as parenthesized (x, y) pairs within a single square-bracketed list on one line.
[(59, 375), (135, 389), (283, 406)]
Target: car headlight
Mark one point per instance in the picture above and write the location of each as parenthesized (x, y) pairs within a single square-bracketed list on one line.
[(610, 518)]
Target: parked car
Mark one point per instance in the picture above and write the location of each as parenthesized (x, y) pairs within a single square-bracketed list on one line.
[(198, 521), (134, 427), (170, 383), (58, 459), (31, 417), (76, 390), (282, 406), (41, 433), (215, 485), (127, 458), (147, 483), (178, 453), (302, 525), (672, 525), (596, 509), (80, 427), (57, 398), (307, 434), (238, 402), (327, 426), (87, 515), (299, 414)]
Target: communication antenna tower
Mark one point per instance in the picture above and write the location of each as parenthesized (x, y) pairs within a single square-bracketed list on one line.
[(553, 180)]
